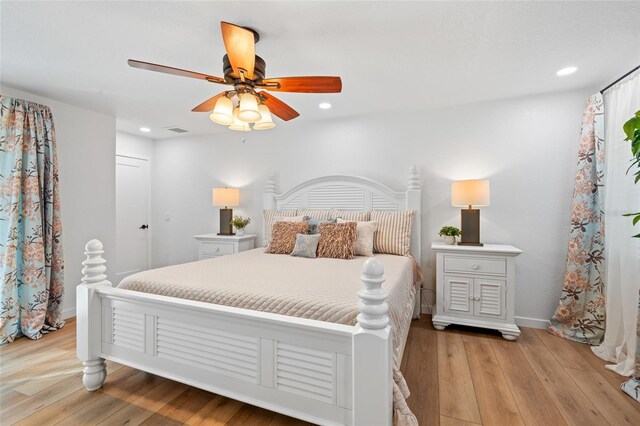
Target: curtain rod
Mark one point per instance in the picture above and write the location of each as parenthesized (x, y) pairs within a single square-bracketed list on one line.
[(619, 79)]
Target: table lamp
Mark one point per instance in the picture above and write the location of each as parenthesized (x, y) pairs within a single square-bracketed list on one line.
[(226, 197), (469, 193)]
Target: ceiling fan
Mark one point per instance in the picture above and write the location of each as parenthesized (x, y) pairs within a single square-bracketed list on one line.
[(248, 101)]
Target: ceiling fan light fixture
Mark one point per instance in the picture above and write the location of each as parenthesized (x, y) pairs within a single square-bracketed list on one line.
[(239, 125), (223, 112), (248, 108), (265, 122)]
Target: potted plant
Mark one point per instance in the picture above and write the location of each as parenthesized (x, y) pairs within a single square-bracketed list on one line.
[(240, 223), (449, 233), (632, 132)]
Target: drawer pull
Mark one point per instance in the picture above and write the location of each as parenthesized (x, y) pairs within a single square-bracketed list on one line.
[(475, 266), (217, 249)]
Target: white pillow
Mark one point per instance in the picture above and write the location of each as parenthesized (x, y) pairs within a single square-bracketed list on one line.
[(364, 240)]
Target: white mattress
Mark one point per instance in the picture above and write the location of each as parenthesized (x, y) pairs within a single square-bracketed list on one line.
[(321, 289)]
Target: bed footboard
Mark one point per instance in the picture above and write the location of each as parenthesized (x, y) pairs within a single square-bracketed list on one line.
[(316, 371)]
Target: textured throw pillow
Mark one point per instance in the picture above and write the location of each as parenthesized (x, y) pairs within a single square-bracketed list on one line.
[(337, 240), (364, 241), (352, 216), (394, 231), (306, 245), (283, 236), (313, 223), (270, 217), (316, 214)]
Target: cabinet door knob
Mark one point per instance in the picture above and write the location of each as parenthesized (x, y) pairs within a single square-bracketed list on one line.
[(471, 297), (475, 266), (217, 249), (477, 298)]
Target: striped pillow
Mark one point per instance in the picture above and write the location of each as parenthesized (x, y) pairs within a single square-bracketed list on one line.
[(352, 216), (316, 214), (394, 231), (269, 220)]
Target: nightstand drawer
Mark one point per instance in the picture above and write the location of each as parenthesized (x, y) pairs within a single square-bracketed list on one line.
[(475, 265), (215, 248)]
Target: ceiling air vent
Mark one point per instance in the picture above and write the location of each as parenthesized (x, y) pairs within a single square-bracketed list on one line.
[(176, 129)]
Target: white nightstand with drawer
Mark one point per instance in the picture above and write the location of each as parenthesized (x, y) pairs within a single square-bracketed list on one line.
[(214, 245), (475, 286)]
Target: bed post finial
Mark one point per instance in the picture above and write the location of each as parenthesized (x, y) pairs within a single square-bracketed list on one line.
[(270, 184), (268, 198), (372, 351), (88, 316), (373, 298), (414, 178), (94, 265)]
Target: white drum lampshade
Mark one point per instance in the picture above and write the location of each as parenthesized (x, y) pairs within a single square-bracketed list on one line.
[(248, 108)]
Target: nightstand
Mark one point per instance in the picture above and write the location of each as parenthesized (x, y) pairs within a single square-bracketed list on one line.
[(214, 245), (475, 286)]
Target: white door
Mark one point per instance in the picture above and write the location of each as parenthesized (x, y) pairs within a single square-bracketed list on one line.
[(489, 298), (132, 216), (458, 295)]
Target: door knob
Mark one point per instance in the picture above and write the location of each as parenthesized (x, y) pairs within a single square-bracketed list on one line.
[(144, 227), (475, 266)]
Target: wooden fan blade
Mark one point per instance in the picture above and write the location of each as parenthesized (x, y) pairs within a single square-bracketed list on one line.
[(304, 84), (279, 108), (241, 48), (208, 105), (175, 71)]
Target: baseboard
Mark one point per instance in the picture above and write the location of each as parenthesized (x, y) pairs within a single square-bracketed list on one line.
[(68, 313), (532, 322)]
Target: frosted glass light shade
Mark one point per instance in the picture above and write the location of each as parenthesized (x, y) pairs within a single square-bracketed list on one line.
[(238, 125), (470, 193), (248, 108), (226, 197), (223, 112), (266, 122)]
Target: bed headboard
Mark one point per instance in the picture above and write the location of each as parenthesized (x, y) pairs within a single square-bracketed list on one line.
[(350, 193)]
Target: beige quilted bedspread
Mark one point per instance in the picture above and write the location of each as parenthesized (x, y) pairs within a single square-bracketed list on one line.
[(321, 289)]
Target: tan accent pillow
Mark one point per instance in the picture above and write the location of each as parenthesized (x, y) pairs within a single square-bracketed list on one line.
[(283, 236), (270, 218), (316, 214), (337, 240), (394, 231), (352, 216), (364, 241)]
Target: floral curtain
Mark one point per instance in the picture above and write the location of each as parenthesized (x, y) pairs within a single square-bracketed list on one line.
[(31, 263), (580, 315)]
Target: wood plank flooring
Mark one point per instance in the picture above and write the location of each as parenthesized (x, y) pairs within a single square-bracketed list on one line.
[(459, 376)]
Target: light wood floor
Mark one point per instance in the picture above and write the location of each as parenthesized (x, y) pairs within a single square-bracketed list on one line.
[(457, 377)]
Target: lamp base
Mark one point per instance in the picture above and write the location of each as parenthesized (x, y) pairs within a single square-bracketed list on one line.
[(470, 221), (226, 216)]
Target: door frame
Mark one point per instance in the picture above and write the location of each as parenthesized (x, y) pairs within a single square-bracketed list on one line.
[(149, 215)]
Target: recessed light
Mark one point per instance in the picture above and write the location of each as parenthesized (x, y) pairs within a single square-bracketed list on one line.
[(145, 129), (567, 71), (325, 105)]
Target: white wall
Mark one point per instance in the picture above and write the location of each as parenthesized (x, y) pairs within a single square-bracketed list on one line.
[(134, 146), (527, 148), (86, 150)]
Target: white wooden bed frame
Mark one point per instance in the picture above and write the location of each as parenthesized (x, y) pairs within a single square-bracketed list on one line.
[(316, 371)]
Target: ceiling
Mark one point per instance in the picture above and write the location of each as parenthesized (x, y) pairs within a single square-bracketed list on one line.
[(390, 55)]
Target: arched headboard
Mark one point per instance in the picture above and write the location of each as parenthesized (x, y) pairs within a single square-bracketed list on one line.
[(350, 193)]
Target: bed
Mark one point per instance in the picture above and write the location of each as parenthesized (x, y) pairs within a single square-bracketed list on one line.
[(307, 344)]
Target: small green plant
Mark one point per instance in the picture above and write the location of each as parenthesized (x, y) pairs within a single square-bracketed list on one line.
[(449, 231), (632, 131), (240, 222)]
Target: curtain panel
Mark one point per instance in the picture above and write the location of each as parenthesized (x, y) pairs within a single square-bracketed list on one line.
[(31, 258), (580, 315)]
